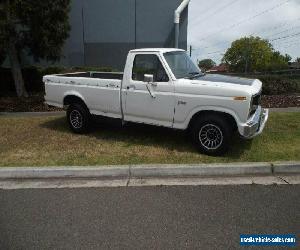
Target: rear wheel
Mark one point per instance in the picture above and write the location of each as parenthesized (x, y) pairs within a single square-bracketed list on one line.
[(211, 134), (78, 118)]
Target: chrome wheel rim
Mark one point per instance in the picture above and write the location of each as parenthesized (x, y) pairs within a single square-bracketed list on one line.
[(76, 119), (210, 136)]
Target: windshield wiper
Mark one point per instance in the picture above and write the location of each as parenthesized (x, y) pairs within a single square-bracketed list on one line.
[(194, 75)]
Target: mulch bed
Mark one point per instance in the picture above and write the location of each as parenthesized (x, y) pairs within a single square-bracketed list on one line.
[(280, 101), (35, 103)]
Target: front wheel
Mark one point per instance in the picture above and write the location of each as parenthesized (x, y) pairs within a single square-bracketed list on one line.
[(211, 134), (78, 118)]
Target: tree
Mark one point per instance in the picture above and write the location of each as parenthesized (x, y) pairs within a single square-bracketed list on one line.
[(2, 50), (39, 28), (250, 54), (206, 64), (287, 58), (279, 61), (298, 60)]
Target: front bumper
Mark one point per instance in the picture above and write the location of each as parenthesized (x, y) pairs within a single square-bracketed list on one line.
[(255, 125)]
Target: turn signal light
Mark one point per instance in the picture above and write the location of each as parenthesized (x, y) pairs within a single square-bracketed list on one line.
[(240, 98)]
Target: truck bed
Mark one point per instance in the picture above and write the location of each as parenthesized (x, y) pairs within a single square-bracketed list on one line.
[(99, 90)]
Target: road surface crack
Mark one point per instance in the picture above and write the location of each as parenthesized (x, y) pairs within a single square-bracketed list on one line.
[(283, 179)]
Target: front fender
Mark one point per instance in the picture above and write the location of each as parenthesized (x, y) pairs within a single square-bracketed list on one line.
[(185, 124)]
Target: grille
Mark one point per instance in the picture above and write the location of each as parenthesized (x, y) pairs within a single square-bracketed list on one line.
[(256, 100)]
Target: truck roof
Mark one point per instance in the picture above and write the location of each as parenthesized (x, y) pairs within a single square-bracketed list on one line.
[(162, 50)]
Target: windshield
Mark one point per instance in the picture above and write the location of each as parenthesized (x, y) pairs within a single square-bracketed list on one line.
[(181, 65)]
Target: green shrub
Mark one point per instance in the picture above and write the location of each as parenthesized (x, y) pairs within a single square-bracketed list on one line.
[(52, 70), (276, 85), (32, 78), (6, 83)]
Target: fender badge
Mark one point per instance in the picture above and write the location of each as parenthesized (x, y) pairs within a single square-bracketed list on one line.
[(181, 102)]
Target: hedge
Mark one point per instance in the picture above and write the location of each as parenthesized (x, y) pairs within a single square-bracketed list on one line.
[(276, 85)]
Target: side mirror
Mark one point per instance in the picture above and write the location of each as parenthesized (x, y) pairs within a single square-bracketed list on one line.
[(148, 78)]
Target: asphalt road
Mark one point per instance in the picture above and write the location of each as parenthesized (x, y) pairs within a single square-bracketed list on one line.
[(182, 217)]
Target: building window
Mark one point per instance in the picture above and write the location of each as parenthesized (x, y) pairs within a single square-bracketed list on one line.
[(148, 64)]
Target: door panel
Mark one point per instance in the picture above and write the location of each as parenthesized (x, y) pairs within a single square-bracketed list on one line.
[(140, 105)]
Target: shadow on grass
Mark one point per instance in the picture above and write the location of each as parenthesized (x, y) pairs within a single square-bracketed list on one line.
[(132, 134)]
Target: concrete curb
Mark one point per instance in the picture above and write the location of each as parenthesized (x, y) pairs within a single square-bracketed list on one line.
[(286, 168), (232, 169), (151, 171), (64, 172)]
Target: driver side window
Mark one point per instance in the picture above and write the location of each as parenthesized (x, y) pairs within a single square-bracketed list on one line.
[(148, 64)]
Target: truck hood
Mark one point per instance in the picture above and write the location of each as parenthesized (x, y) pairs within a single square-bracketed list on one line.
[(227, 79), (230, 84)]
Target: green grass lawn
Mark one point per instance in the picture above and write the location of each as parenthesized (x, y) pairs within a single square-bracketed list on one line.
[(47, 141)]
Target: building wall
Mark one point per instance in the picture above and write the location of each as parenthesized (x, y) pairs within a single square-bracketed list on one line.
[(103, 31)]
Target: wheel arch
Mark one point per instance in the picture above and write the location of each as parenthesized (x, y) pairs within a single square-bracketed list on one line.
[(72, 98), (230, 118)]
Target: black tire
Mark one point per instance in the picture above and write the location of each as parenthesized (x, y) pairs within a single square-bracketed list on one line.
[(211, 134), (78, 117)]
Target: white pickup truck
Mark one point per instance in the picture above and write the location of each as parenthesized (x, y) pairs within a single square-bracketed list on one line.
[(163, 87)]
